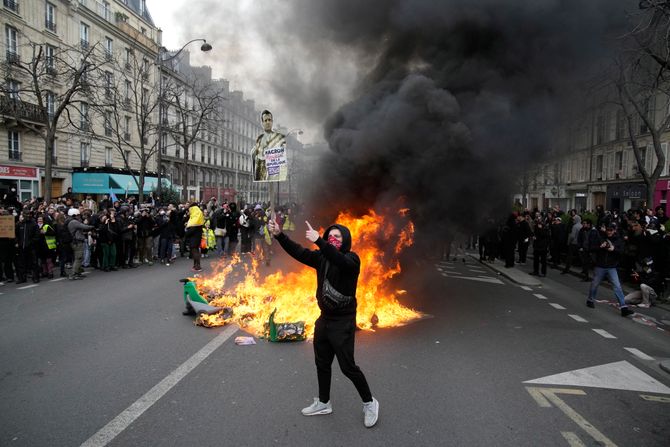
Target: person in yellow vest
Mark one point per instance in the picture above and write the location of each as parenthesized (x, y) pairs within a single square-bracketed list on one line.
[(46, 249), (208, 239), (289, 224), (193, 234)]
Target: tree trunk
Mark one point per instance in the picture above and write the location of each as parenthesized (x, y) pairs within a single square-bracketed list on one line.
[(140, 185), (185, 176), (48, 159)]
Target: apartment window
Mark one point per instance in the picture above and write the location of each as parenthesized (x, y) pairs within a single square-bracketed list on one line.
[(128, 91), (599, 167), (643, 157), (11, 4), (126, 128), (164, 143), (109, 84), (127, 155), (50, 59), (215, 153), (129, 58), (108, 123), (13, 89), (50, 17), (202, 153), (11, 40), (109, 48), (14, 145), (618, 161), (620, 124), (85, 153), (109, 157), (145, 99), (84, 35), (51, 103), (84, 117), (143, 7)]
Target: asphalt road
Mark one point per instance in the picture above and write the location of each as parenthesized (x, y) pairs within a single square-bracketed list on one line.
[(75, 356)]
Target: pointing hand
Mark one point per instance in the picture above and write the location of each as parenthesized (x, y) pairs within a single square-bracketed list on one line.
[(311, 234)]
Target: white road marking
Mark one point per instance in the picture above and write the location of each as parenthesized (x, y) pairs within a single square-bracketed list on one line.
[(57, 279), (476, 270), (578, 318), (540, 296), (110, 431), (451, 273), (550, 395), (665, 400), (572, 439), (28, 287), (639, 354), (603, 333), (616, 376), (490, 280), (557, 306), (526, 288)]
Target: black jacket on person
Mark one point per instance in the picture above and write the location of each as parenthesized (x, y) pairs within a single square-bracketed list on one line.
[(604, 258), (541, 239), (27, 235), (145, 226), (108, 232), (343, 270)]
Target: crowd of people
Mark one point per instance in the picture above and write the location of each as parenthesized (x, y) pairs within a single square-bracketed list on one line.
[(633, 246), (69, 235)]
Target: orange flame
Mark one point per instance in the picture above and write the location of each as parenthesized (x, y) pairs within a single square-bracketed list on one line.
[(253, 297)]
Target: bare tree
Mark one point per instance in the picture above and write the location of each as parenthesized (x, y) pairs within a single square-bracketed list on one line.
[(194, 103), (40, 91), (643, 86), (127, 102)]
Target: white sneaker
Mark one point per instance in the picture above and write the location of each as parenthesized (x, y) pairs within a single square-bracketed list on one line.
[(371, 412), (317, 407)]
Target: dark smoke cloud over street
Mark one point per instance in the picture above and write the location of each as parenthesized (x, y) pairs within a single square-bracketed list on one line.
[(439, 102)]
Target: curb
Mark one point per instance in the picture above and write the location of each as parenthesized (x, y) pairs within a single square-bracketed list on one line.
[(530, 281), (665, 365)]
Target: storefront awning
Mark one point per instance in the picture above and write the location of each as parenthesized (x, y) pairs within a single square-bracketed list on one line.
[(103, 183)]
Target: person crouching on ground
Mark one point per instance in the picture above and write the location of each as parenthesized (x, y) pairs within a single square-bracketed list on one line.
[(193, 234), (337, 269)]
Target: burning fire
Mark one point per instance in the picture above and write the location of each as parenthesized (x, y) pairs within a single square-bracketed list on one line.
[(253, 297)]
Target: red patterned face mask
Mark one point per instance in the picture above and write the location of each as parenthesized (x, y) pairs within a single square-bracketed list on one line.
[(334, 242)]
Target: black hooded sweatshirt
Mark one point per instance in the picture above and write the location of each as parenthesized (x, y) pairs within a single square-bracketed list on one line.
[(342, 272)]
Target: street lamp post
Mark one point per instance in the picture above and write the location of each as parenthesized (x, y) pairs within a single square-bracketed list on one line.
[(161, 51)]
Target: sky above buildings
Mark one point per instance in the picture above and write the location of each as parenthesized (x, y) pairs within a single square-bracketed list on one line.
[(253, 49)]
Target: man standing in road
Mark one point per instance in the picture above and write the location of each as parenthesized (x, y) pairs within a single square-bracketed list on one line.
[(607, 250), (337, 270)]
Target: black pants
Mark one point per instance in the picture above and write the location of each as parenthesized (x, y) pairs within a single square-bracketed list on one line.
[(27, 262), (573, 253), (335, 338), (523, 251), (540, 262)]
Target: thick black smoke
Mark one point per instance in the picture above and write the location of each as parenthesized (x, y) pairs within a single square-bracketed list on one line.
[(446, 100), (463, 95)]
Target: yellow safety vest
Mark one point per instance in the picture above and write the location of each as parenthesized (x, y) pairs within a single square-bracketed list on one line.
[(288, 224), (51, 240)]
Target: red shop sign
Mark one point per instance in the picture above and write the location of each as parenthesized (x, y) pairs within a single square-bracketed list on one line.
[(17, 171)]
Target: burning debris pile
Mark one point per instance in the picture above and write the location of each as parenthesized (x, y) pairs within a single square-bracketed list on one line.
[(249, 299)]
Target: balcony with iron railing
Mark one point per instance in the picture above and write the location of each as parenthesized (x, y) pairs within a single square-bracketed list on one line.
[(13, 58), (21, 110), (84, 163), (50, 25), (126, 136), (14, 155), (84, 44)]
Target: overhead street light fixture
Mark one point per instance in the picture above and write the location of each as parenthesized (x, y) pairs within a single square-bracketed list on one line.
[(205, 47)]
